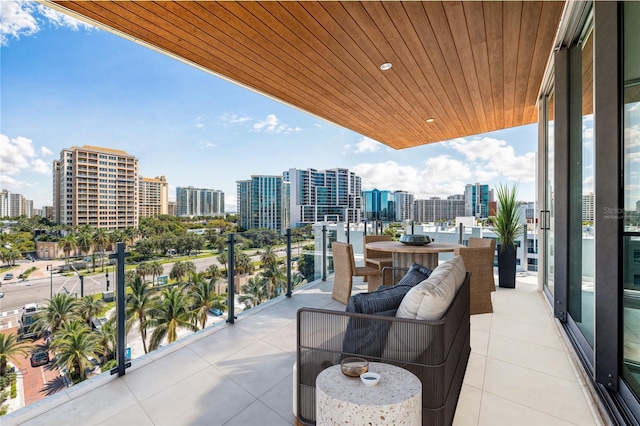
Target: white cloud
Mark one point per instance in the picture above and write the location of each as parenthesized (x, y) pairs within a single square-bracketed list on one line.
[(231, 119), (13, 154), (60, 20), (210, 145), (16, 19), (494, 157), (20, 18), (7, 181), (269, 124), (441, 176), (45, 151), (365, 144), (272, 124), (40, 166), (18, 154)]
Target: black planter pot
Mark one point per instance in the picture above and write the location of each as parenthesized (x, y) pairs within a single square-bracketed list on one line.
[(507, 266)]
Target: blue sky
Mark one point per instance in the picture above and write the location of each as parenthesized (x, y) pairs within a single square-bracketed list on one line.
[(64, 83)]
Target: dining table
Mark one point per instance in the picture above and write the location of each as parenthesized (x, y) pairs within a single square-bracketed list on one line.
[(405, 255)]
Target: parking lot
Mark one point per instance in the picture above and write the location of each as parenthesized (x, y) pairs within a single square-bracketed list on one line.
[(37, 382)]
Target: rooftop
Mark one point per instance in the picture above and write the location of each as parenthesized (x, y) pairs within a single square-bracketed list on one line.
[(520, 368)]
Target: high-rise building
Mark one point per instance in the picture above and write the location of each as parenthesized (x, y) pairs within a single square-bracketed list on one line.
[(13, 205), (4, 203), (378, 205), (477, 198), (172, 208), (16, 205), (95, 186), (588, 207), (27, 207), (47, 212), (153, 196), (403, 205), (193, 202), (318, 195), (263, 203), (436, 209)]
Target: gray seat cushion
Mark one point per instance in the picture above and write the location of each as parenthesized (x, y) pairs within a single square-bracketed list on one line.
[(365, 336)]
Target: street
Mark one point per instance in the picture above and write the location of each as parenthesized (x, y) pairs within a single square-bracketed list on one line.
[(41, 284)]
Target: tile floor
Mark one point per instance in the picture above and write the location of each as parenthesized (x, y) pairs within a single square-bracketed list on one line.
[(520, 372)]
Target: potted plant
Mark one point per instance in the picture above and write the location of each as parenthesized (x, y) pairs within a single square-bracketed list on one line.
[(508, 226)]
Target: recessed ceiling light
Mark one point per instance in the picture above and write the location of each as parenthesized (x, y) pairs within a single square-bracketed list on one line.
[(430, 120), (386, 66)]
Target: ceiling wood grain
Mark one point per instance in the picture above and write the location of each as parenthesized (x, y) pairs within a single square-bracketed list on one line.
[(472, 66)]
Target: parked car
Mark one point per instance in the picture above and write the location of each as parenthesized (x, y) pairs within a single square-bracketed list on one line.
[(8, 276), (216, 312), (39, 358)]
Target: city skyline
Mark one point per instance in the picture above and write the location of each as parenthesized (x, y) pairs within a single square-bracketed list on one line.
[(67, 84)]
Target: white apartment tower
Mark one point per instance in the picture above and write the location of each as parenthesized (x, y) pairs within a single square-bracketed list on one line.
[(319, 195), (263, 203), (404, 205), (193, 202), (153, 196), (4, 203), (95, 186), (436, 209)]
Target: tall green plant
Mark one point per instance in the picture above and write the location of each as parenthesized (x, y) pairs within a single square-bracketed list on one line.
[(507, 222)]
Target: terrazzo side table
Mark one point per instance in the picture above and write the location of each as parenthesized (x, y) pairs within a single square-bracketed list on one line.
[(395, 400)]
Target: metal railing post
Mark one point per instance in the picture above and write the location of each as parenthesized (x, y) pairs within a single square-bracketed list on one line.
[(461, 233), (324, 252), (121, 315), (231, 280), (288, 235), (348, 229)]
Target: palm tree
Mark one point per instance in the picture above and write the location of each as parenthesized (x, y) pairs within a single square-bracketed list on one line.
[(10, 348), (100, 241), (73, 345), (117, 236), (255, 291), (243, 263), (139, 301), (68, 243), (276, 277), (84, 239), (204, 297), (88, 307), (130, 233), (268, 257), (223, 258), (155, 269), (107, 340), (170, 312), (60, 310), (143, 269), (181, 269), (213, 272)]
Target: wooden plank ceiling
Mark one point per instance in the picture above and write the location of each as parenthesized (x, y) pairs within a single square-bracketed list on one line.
[(471, 66)]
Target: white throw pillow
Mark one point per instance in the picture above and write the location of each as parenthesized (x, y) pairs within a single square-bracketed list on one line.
[(428, 300), (453, 269)]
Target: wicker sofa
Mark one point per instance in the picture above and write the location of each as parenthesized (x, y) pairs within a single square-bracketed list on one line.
[(436, 351)]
